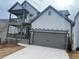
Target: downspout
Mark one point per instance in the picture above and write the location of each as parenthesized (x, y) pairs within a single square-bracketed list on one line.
[(71, 39), (72, 25)]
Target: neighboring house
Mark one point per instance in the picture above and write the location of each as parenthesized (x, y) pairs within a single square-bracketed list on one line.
[(3, 29), (76, 31), (48, 28)]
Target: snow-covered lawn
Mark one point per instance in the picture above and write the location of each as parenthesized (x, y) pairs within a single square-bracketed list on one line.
[(38, 52)]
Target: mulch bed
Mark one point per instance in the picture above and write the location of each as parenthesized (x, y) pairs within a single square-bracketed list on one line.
[(74, 55), (8, 49)]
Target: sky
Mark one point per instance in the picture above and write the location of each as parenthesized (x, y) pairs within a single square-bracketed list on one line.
[(71, 5)]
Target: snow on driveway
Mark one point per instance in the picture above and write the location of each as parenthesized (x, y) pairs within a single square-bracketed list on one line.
[(38, 52)]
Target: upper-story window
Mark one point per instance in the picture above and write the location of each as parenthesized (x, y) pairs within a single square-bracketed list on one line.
[(49, 13), (31, 15), (25, 5)]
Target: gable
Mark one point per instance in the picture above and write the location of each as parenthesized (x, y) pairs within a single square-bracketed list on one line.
[(16, 6), (50, 7), (29, 7), (51, 20)]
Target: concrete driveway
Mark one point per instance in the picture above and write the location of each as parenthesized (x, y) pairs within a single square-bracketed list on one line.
[(38, 52)]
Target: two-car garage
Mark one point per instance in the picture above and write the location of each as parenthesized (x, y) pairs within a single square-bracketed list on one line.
[(55, 39)]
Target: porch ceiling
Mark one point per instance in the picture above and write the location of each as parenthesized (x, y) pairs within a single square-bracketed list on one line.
[(19, 12)]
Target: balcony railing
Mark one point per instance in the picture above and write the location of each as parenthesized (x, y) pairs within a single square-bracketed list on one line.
[(16, 35), (19, 21), (16, 20)]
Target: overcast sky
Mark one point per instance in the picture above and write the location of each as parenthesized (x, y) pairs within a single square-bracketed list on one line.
[(71, 5)]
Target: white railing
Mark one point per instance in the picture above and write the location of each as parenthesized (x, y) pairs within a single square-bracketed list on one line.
[(16, 20)]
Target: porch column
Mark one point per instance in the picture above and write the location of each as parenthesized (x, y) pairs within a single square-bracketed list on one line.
[(24, 13), (22, 26), (8, 28)]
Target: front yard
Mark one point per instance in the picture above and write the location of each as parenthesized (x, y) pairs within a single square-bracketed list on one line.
[(5, 51)]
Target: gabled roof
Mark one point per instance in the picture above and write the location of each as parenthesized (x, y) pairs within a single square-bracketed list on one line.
[(30, 5), (56, 12), (16, 4), (64, 12)]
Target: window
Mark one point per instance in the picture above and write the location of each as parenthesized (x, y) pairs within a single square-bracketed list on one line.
[(25, 5), (49, 13), (31, 15)]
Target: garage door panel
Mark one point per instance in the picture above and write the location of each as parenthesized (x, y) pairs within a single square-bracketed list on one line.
[(50, 39)]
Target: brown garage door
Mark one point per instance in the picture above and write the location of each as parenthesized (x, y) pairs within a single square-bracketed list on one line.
[(50, 39)]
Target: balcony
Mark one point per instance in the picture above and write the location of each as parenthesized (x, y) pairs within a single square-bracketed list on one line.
[(18, 36), (16, 21)]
